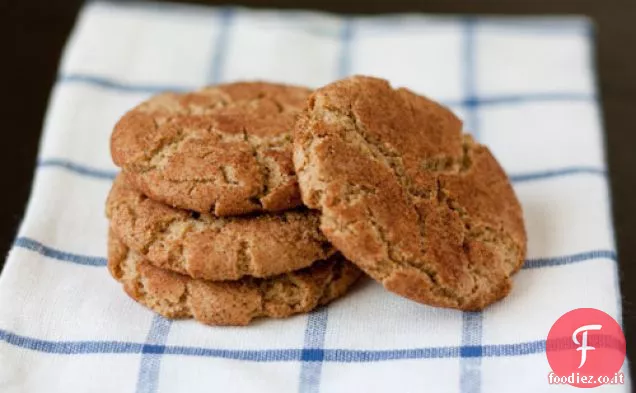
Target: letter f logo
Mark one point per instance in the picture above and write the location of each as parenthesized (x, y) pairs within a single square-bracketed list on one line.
[(584, 347)]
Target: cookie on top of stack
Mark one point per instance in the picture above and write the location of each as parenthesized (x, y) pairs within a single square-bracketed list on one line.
[(207, 217)]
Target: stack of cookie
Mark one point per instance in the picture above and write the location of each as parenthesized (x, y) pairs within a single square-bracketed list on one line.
[(207, 217)]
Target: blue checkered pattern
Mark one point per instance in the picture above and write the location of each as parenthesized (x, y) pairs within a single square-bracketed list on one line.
[(523, 86)]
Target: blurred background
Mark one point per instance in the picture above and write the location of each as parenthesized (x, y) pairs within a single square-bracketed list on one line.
[(35, 32)]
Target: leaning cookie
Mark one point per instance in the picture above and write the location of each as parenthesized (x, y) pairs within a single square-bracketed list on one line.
[(215, 248), (224, 149), (403, 194), (174, 295)]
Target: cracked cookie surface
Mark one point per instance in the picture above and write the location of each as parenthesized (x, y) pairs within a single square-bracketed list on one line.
[(174, 295), (403, 194), (210, 247), (223, 149)]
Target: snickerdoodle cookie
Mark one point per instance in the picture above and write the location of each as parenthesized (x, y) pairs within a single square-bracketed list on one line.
[(215, 248), (224, 149), (403, 194)]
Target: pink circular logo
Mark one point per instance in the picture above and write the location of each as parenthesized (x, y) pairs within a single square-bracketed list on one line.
[(585, 348)]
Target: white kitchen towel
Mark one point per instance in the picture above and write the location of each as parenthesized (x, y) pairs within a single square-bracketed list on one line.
[(524, 86)]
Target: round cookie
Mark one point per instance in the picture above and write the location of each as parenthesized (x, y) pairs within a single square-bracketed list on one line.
[(403, 194), (215, 248), (174, 295), (224, 149)]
